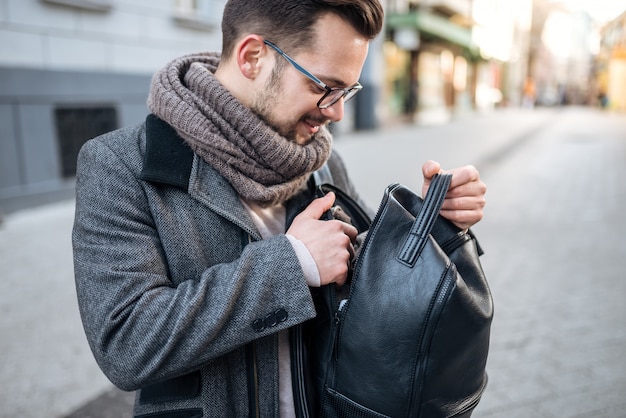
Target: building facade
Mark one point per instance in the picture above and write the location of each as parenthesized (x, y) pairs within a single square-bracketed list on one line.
[(561, 55), (428, 46), (611, 65), (445, 57), (73, 69)]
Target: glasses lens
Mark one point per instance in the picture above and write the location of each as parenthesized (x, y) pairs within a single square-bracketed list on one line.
[(331, 98), (335, 95), (351, 93)]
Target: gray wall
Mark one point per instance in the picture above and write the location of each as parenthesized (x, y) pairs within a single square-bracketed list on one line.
[(30, 160)]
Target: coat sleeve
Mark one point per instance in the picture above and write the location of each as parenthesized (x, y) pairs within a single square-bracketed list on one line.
[(141, 325)]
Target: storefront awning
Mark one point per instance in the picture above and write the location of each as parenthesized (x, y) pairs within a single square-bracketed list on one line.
[(435, 26)]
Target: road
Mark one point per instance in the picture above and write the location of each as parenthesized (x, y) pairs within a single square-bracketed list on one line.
[(552, 234)]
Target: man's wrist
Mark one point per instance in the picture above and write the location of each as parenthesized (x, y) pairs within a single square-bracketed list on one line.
[(309, 267)]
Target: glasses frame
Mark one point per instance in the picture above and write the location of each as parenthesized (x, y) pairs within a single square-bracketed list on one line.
[(348, 93)]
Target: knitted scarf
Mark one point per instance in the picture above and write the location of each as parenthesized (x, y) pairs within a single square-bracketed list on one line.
[(260, 164)]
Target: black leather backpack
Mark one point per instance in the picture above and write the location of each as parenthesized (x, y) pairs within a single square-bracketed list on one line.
[(409, 335)]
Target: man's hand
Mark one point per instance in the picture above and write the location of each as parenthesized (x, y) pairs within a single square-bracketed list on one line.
[(329, 242), (465, 199)]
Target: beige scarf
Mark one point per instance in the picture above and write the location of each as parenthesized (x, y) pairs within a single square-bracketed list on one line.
[(260, 164)]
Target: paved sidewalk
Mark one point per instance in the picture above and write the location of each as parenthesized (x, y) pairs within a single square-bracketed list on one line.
[(46, 368), (553, 235), (554, 238)]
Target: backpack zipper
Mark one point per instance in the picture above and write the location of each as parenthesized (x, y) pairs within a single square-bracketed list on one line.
[(297, 369)]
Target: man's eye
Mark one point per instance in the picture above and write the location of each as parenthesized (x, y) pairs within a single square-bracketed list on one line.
[(318, 89)]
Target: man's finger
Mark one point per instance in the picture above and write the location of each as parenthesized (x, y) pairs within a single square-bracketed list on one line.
[(319, 206), (430, 168)]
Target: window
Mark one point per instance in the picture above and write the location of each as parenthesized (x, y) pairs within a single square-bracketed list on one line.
[(196, 14), (93, 5), (75, 126)]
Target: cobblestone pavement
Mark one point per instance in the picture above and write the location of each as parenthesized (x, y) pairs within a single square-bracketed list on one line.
[(552, 233)]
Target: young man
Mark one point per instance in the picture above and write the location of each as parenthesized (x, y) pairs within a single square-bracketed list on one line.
[(195, 239)]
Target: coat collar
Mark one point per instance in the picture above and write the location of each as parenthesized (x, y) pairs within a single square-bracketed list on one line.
[(168, 159)]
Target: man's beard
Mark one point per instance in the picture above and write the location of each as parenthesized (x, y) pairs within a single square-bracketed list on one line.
[(264, 102), (262, 106)]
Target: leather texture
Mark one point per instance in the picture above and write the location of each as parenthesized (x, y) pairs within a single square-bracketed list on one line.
[(411, 338)]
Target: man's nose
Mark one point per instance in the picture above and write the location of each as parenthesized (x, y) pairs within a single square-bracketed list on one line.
[(334, 112)]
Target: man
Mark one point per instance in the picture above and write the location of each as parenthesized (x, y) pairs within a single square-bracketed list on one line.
[(196, 235)]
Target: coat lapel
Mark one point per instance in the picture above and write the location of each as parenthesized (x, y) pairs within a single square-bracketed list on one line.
[(169, 160)]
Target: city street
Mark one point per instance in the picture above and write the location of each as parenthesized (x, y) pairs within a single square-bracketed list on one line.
[(554, 247)]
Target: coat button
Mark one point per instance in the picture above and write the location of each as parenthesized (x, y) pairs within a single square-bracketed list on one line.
[(281, 315), (258, 325), (271, 320)]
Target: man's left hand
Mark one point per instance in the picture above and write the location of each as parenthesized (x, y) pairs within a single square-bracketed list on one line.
[(465, 199)]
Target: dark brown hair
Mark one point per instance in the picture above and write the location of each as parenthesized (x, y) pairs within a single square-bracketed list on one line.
[(290, 23)]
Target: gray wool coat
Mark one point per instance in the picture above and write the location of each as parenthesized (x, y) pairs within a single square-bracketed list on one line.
[(179, 296)]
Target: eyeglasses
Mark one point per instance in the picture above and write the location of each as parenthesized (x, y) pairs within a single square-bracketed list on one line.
[(332, 95)]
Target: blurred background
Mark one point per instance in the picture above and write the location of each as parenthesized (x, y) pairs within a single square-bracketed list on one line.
[(82, 67), (532, 92)]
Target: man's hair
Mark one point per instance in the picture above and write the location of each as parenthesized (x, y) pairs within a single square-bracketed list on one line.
[(290, 23)]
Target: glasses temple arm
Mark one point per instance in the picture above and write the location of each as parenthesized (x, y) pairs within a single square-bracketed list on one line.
[(295, 64)]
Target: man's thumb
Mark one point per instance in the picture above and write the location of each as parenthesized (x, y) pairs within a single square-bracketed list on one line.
[(319, 206), (429, 169)]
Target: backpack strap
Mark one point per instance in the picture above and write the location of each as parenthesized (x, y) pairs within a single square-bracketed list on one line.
[(323, 175)]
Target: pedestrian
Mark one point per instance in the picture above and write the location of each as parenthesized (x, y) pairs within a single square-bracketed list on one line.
[(529, 98), (196, 233)]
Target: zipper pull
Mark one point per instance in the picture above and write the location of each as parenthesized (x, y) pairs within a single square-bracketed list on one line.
[(342, 303)]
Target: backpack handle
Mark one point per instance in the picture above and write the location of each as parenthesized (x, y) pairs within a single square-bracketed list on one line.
[(425, 219)]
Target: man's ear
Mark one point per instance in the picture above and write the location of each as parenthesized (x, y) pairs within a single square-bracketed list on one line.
[(250, 54)]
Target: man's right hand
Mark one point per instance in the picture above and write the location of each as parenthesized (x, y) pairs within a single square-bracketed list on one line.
[(329, 242)]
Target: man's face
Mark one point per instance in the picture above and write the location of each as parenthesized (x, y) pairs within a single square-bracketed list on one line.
[(288, 100)]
